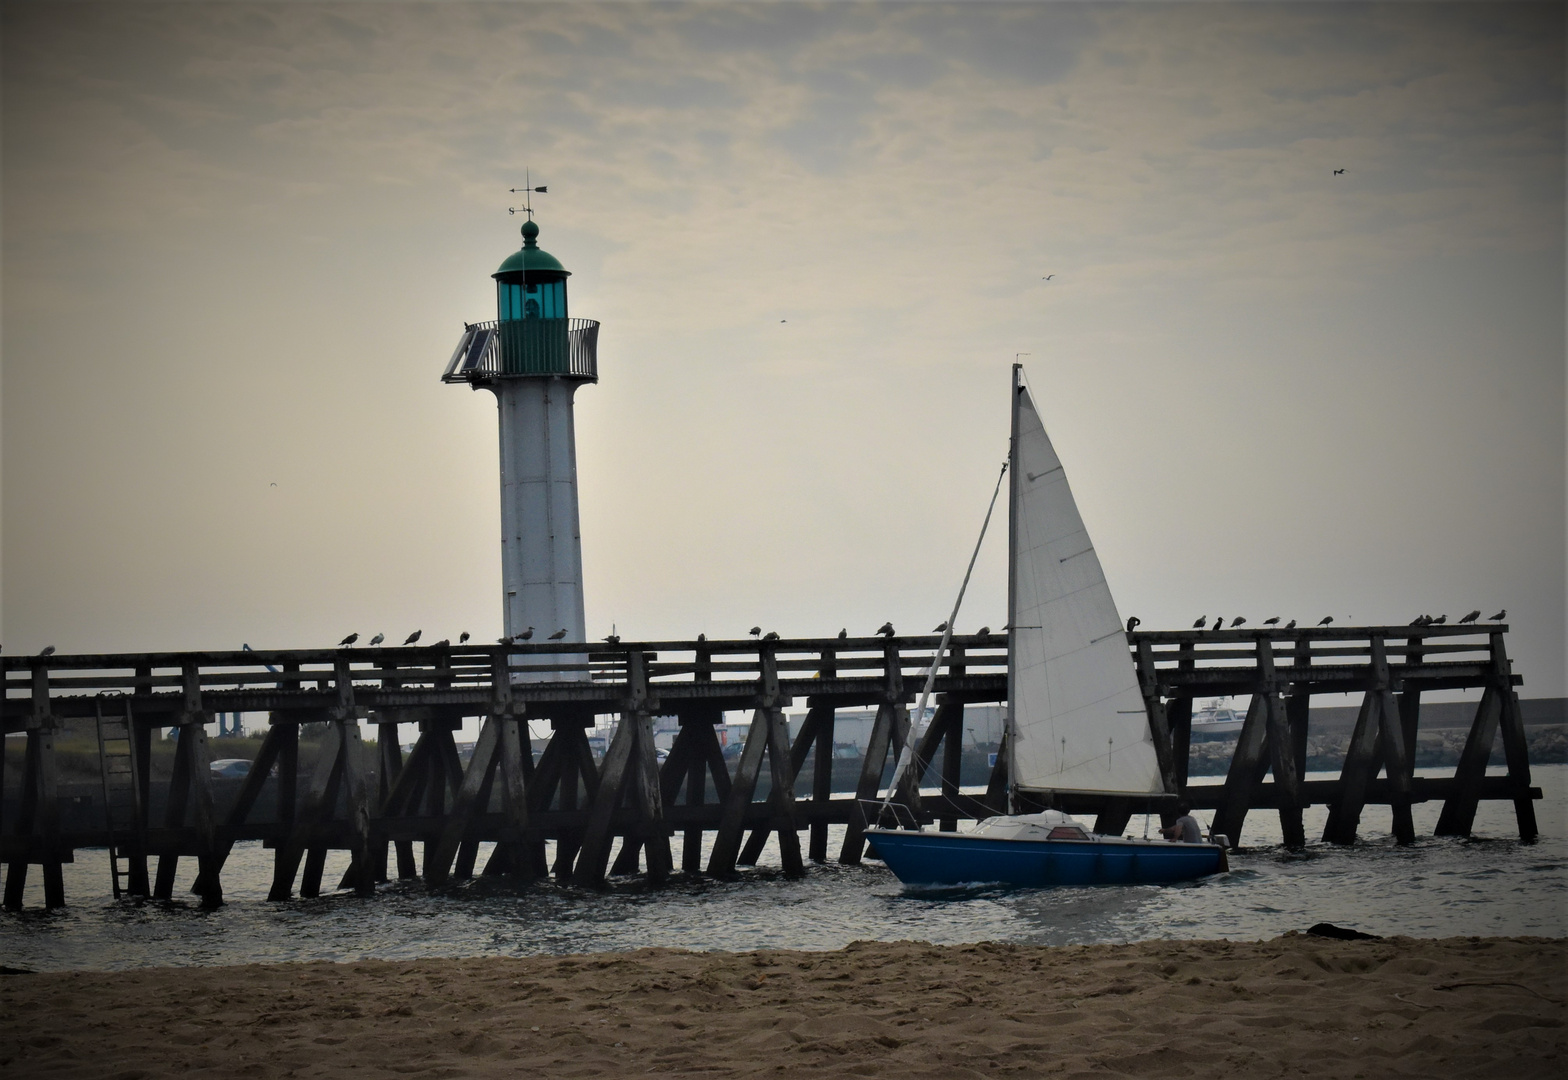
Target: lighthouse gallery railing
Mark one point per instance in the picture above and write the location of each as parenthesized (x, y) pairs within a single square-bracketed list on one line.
[(524, 349)]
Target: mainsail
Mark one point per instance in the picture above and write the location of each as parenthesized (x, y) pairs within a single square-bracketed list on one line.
[(1078, 722)]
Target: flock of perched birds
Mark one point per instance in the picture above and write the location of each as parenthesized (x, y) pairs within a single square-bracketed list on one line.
[(462, 639), (886, 630), (1419, 620)]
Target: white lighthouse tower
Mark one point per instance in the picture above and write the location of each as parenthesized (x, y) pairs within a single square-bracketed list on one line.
[(534, 357)]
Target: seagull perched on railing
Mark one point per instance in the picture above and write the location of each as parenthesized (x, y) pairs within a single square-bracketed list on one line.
[(843, 633), (463, 637), (1219, 621), (1439, 621), (526, 634), (1472, 617), (1325, 620), (47, 650), (941, 628), (771, 635), (755, 631), (412, 637), (377, 640), (1271, 622), (346, 642), (1201, 623), (886, 629), (443, 643), (1500, 616), (1237, 621), (1290, 625), (613, 639), (984, 631), (558, 635), (1133, 622)]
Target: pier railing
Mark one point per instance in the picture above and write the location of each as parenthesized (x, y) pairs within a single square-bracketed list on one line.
[(563, 811)]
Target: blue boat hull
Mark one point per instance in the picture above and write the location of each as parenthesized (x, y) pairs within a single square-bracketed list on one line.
[(944, 858)]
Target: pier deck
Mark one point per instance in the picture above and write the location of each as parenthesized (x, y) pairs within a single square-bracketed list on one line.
[(585, 803)]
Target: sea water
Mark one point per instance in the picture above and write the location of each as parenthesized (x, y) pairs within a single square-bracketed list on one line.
[(1489, 884)]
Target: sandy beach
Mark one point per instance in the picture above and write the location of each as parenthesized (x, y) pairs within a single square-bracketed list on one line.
[(1293, 1006)]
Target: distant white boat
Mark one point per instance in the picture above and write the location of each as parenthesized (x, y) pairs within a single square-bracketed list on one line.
[(1215, 721)]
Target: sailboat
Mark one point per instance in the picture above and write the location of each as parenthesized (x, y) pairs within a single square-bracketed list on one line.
[(1076, 721)]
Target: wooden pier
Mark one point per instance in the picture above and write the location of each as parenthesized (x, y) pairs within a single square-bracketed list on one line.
[(584, 805)]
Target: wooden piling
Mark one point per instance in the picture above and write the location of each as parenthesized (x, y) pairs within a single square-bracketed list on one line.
[(890, 711), (1515, 750)]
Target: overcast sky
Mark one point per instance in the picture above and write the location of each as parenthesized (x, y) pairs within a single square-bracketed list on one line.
[(240, 242)]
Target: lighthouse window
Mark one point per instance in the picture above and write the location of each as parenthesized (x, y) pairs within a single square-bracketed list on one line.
[(543, 300)]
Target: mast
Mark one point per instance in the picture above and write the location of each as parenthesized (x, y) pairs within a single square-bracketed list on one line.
[(1010, 728)]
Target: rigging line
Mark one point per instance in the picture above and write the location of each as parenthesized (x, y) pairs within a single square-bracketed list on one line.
[(906, 756)]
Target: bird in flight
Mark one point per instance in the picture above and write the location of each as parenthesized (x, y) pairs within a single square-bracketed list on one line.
[(462, 637), (1271, 622), (1500, 616), (559, 634), (346, 642), (1339, 172), (1048, 277), (378, 639), (1325, 620), (886, 629), (1472, 617), (412, 637)]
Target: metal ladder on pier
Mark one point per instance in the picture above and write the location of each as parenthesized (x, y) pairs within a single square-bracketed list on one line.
[(122, 796)]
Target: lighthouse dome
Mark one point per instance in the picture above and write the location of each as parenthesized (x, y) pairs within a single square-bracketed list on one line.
[(531, 261)]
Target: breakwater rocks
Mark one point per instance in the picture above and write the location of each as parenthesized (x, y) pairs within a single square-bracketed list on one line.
[(1326, 753)]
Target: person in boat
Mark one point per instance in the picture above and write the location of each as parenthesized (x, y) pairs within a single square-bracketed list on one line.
[(1185, 828)]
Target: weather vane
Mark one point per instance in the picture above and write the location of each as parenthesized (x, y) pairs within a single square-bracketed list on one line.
[(527, 192)]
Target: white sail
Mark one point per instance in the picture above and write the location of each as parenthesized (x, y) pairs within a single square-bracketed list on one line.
[(1078, 722)]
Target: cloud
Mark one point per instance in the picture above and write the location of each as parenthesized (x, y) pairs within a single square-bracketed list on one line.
[(262, 225)]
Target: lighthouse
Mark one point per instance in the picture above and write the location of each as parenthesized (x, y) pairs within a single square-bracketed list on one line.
[(533, 357)]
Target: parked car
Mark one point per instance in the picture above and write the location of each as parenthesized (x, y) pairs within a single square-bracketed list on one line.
[(230, 768)]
